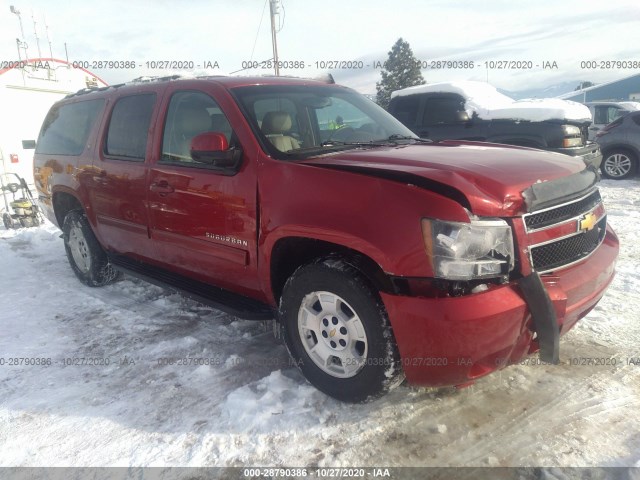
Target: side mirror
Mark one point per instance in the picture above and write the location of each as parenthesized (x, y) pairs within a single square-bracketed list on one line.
[(205, 144), (212, 148)]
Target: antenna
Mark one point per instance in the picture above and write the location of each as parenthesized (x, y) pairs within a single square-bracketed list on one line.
[(20, 41), (273, 7), (46, 29), (35, 33)]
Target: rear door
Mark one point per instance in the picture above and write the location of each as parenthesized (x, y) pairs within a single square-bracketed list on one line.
[(203, 220), (118, 186)]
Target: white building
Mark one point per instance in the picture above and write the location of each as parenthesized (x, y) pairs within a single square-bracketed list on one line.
[(27, 91)]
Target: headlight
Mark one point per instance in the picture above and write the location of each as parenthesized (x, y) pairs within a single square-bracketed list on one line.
[(570, 130), (572, 136), (469, 251)]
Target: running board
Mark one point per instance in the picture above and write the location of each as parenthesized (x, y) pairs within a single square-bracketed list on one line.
[(216, 297)]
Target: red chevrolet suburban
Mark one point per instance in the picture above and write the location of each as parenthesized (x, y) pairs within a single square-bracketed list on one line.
[(380, 255)]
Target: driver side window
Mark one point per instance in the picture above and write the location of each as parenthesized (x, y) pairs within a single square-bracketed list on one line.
[(190, 114)]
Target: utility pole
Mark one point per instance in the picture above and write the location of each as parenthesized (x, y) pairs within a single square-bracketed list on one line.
[(273, 7)]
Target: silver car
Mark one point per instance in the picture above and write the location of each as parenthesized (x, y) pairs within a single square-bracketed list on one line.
[(620, 145)]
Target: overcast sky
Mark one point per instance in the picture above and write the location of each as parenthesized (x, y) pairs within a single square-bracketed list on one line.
[(566, 32)]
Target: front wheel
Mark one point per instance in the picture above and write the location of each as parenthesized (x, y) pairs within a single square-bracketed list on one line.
[(86, 257), (338, 333), (618, 164)]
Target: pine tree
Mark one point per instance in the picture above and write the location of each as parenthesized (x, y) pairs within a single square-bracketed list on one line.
[(401, 70), (584, 85)]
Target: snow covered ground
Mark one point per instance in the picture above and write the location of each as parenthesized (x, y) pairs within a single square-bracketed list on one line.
[(248, 406)]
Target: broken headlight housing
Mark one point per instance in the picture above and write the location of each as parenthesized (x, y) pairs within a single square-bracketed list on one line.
[(476, 250)]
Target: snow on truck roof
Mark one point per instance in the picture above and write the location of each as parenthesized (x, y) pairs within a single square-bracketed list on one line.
[(488, 103)]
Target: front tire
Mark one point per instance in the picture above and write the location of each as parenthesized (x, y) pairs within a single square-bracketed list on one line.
[(87, 258), (619, 164), (338, 333)]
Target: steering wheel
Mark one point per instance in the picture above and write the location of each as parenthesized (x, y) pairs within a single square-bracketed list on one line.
[(374, 129), (341, 134)]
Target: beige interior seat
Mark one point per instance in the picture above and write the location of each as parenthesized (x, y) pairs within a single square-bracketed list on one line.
[(191, 121), (275, 126)]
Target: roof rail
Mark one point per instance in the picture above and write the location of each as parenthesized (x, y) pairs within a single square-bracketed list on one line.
[(149, 78), (325, 77), (84, 91), (144, 79)]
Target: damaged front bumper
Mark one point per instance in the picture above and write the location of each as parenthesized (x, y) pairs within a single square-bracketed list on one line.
[(453, 340)]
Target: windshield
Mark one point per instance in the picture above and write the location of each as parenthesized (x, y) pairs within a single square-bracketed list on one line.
[(300, 121)]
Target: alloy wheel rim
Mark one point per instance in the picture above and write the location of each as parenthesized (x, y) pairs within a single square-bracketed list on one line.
[(617, 165)]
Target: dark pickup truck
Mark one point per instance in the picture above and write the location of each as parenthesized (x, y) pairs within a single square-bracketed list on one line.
[(477, 111)]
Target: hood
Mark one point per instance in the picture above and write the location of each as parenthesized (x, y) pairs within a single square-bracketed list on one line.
[(488, 179)]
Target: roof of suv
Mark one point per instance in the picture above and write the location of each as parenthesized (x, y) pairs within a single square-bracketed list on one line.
[(228, 82)]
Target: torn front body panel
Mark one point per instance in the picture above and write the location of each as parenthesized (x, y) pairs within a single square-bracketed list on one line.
[(545, 194)]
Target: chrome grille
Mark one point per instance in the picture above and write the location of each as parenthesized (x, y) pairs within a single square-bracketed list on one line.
[(567, 251), (558, 214)]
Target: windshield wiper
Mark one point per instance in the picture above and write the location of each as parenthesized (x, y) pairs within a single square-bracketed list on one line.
[(335, 145), (390, 140), (395, 136)]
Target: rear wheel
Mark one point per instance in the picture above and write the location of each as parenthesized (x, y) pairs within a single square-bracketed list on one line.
[(619, 164), (338, 333), (86, 257)]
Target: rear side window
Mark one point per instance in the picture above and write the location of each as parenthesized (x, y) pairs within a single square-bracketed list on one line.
[(66, 128), (129, 127)]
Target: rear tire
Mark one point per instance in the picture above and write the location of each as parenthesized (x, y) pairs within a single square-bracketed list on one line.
[(337, 331), (619, 164), (87, 258)]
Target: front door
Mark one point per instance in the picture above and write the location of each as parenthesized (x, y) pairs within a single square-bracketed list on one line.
[(203, 222)]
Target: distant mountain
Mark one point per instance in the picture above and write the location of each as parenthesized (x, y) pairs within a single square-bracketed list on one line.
[(545, 92)]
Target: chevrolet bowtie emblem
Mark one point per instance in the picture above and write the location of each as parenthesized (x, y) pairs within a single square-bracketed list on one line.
[(332, 333), (587, 222)]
